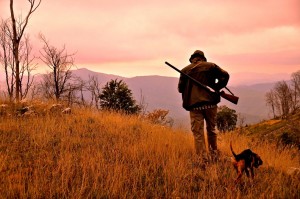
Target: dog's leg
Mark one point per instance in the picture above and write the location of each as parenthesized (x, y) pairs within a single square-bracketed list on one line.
[(235, 166), (252, 172), (247, 172), (240, 169)]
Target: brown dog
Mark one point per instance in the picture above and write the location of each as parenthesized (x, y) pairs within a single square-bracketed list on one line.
[(245, 161)]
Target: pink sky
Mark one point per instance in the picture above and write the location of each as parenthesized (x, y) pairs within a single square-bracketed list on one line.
[(135, 37)]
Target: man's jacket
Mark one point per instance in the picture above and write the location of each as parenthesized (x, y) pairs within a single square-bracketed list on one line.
[(206, 73)]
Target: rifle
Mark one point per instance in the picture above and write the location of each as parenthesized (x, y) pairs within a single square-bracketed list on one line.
[(230, 97)]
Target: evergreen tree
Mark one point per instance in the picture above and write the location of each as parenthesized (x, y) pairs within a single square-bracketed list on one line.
[(117, 96), (226, 119)]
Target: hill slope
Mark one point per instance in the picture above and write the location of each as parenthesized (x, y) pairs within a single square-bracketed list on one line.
[(286, 131), (91, 154)]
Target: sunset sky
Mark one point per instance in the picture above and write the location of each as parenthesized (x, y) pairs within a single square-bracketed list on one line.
[(135, 37)]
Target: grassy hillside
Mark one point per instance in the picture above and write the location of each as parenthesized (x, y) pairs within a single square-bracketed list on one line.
[(91, 154), (285, 131)]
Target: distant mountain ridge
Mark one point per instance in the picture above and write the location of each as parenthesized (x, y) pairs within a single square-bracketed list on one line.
[(246, 79), (236, 79)]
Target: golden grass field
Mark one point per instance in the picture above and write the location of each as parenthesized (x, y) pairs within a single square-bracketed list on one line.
[(92, 154)]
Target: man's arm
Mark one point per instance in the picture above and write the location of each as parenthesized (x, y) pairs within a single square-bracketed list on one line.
[(181, 84)]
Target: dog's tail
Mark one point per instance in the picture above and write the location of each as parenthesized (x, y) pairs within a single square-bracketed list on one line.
[(232, 150)]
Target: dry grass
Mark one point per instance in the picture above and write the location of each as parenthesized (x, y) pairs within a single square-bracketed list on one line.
[(104, 155)]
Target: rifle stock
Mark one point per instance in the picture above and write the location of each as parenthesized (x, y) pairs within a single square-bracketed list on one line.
[(232, 98)]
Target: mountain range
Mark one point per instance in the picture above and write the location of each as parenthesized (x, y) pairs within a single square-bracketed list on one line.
[(160, 92)]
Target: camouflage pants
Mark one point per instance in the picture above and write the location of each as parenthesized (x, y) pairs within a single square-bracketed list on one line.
[(197, 126)]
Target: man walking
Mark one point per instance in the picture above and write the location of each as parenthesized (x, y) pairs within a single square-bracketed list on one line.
[(200, 102)]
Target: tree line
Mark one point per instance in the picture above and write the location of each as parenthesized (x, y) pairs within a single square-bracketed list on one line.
[(284, 98), (18, 63)]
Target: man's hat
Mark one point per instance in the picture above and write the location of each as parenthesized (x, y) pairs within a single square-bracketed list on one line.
[(197, 53)]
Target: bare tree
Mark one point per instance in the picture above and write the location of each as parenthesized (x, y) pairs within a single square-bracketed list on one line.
[(295, 83), (71, 96), (18, 28), (271, 101), (7, 59), (284, 98), (75, 90), (94, 88), (27, 66), (284, 95), (34, 92), (57, 82), (81, 88)]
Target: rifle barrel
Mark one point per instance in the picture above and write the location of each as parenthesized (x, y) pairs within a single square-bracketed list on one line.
[(191, 78)]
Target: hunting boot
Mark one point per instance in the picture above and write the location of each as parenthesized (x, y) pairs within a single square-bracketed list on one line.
[(200, 147)]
